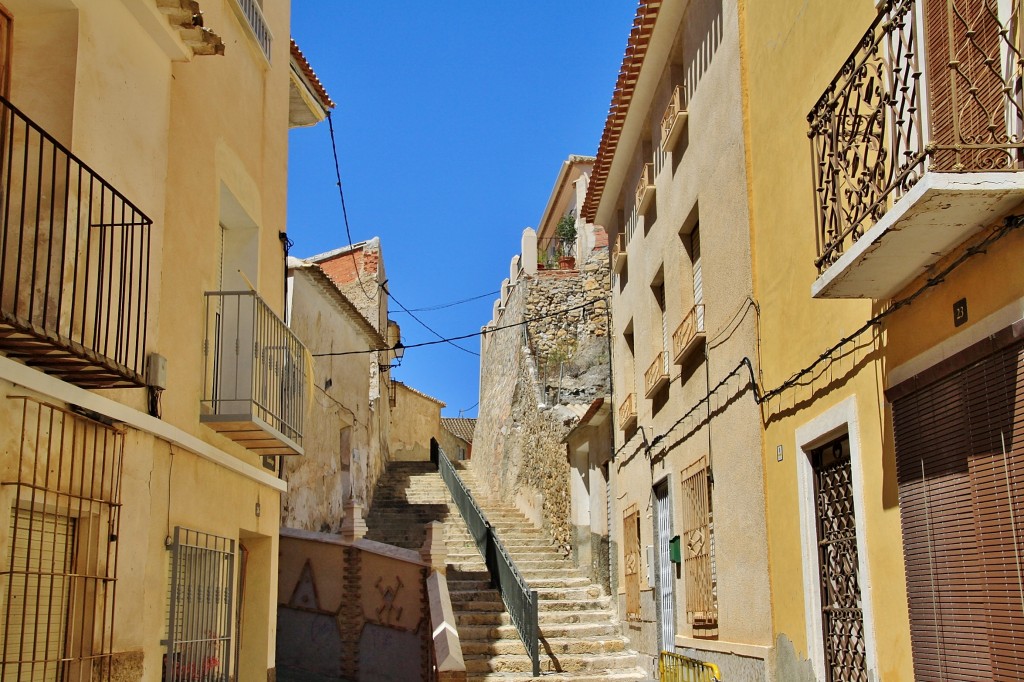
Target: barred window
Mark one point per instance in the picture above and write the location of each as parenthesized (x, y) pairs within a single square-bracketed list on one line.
[(57, 585), (200, 614), (699, 548)]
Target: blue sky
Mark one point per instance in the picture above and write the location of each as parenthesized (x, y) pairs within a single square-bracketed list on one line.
[(452, 121)]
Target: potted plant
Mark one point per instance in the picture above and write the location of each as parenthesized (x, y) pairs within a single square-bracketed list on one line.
[(565, 230)]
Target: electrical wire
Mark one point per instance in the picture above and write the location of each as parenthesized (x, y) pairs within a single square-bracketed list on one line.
[(428, 327), (452, 304), (482, 332), (344, 210), (761, 396)]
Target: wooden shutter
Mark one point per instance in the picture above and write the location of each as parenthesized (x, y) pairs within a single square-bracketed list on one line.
[(698, 276), (970, 66), (960, 468)]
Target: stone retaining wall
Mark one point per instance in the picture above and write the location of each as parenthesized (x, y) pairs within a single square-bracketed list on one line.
[(517, 449)]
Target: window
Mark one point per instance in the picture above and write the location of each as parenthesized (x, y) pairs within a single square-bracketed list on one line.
[(200, 611), (57, 587), (699, 550), (631, 560)]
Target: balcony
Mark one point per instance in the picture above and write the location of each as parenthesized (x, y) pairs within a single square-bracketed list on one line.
[(619, 254), (911, 161), (656, 376), (689, 335), (257, 24), (255, 382), (627, 412), (674, 120), (645, 188), (74, 263)]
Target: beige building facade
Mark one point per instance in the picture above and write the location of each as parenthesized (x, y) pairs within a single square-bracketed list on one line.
[(146, 151), (688, 532)]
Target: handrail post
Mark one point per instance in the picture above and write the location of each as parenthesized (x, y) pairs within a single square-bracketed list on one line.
[(535, 635)]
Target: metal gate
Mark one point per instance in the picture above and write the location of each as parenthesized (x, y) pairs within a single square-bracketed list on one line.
[(841, 613), (666, 599)]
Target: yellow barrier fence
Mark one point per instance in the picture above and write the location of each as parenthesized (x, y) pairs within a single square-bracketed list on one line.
[(676, 668)]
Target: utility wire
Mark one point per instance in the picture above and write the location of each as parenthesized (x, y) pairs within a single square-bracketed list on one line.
[(474, 334), (428, 327), (344, 211), (441, 306), (761, 396)]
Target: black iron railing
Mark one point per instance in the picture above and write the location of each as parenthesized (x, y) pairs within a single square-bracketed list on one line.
[(519, 599), (255, 369), (74, 262), (941, 95)]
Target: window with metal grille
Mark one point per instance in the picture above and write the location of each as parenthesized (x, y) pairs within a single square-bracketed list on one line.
[(698, 548), (200, 609), (631, 560), (57, 586)]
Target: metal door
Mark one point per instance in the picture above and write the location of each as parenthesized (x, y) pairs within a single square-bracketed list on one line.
[(663, 590), (842, 613)]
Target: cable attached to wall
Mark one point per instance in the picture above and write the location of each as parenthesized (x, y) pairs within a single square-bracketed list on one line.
[(1010, 223)]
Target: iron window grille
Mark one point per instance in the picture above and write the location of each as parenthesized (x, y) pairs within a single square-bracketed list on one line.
[(200, 612), (57, 586), (699, 548)]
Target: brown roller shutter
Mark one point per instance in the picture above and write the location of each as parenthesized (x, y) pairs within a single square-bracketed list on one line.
[(960, 467), (965, 84)]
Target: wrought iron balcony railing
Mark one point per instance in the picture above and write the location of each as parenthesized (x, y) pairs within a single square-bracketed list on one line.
[(674, 119), (627, 412), (255, 377), (619, 253), (74, 262), (934, 86), (257, 23), (645, 188), (689, 334), (656, 375)]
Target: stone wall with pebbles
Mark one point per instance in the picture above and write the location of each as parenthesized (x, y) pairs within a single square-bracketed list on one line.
[(526, 381)]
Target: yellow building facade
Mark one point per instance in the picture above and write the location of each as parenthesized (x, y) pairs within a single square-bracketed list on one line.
[(145, 148), (883, 155)]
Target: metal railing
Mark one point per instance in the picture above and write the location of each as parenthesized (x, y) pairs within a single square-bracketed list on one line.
[(74, 262), (551, 250), (627, 410), (199, 614), (255, 365), (657, 374), (672, 111), (519, 599), (675, 668), (253, 14), (886, 119), (645, 186), (688, 331)]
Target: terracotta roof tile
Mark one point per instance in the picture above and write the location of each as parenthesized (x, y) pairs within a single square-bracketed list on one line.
[(310, 75), (460, 427), (622, 95)]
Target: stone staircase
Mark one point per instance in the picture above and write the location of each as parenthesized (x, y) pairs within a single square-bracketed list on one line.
[(580, 637)]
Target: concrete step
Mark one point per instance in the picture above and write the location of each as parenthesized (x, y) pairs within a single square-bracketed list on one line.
[(547, 631), (562, 663), (624, 675), (551, 646), (544, 618)]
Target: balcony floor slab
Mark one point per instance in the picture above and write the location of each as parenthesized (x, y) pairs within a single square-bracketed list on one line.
[(938, 213)]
